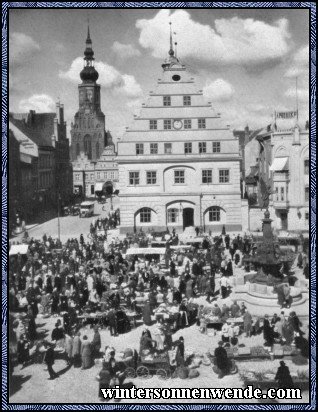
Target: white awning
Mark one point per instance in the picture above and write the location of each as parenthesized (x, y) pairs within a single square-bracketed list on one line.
[(279, 163), (146, 251), (99, 186), (15, 249)]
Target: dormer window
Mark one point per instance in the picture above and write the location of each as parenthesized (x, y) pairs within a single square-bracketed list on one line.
[(167, 100), (186, 100)]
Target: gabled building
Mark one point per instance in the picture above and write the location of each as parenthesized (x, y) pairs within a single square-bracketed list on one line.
[(44, 157), (179, 165)]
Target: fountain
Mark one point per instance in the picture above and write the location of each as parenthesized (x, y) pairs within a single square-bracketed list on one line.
[(272, 268), (270, 262)]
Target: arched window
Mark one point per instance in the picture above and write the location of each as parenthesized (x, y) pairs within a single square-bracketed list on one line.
[(216, 214), (145, 215), (77, 149), (97, 150), (88, 146)]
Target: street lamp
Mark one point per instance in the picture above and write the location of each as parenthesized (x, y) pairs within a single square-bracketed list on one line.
[(58, 217)]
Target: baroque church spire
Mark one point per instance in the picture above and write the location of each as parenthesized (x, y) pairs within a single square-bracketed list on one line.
[(89, 73)]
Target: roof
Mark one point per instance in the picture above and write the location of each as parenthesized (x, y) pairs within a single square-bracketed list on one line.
[(15, 249), (39, 127)]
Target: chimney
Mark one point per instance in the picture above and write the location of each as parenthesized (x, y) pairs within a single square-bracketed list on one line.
[(56, 127), (53, 138)]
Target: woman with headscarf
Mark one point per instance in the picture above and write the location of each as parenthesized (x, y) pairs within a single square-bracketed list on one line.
[(96, 343), (86, 353)]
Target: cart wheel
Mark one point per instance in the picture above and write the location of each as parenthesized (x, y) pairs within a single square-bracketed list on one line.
[(162, 373), (142, 372), (130, 373)]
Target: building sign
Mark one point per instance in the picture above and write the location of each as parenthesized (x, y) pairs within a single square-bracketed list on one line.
[(286, 115)]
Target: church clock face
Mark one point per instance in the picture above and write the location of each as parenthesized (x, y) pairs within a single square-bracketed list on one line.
[(177, 124)]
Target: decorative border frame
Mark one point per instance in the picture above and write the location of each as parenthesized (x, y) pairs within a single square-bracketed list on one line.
[(213, 406)]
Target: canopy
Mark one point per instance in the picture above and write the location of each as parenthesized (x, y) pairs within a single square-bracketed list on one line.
[(279, 163), (99, 186), (22, 249), (146, 251)]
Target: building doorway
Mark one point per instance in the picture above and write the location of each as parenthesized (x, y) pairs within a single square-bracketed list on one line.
[(284, 220), (187, 215)]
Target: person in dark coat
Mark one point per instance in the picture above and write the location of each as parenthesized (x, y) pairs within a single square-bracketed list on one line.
[(146, 314), (96, 343), (268, 332), (283, 377), (179, 344), (112, 322), (221, 360), (49, 360), (104, 380), (23, 350), (32, 335)]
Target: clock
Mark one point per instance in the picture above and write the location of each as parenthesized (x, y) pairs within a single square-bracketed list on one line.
[(177, 124)]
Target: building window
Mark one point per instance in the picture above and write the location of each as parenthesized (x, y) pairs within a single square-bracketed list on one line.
[(187, 124), (201, 123), (153, 148), (112, 175), (168, 148), (105, 175), (186, 100), (216, 147), (97, 150), (151, 178), (202, 147), (153, 124), (88, 146), (214, 214), (98, 175), (145, 215), (224, 176), (282, 194), (167, 124), (179, 176), (92, 176), (77, 149), (307, 218), (307, 194), (276, 194), (187, 148), (92, 189), (134, 178), (207, 176), (306, 166), (139, 149), (173, 215), (167, 100)]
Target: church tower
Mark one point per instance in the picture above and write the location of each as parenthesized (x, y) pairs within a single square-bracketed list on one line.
[(88, 130)]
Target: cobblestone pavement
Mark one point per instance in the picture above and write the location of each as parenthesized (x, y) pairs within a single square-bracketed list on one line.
[(70, 226)]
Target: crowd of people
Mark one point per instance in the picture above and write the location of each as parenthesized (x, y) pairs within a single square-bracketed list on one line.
[(93, 274)]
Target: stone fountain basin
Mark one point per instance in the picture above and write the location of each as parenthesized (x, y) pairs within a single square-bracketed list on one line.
[(267, 292)]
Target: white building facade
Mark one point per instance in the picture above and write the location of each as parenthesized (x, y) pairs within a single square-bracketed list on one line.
[(290, 176), (179, 165)]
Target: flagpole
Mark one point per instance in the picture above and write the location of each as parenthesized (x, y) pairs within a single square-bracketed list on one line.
[(297, 98)]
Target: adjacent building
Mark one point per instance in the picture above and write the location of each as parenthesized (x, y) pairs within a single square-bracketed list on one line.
[(43, 163), (179, 165), (279, 176), (92, 149)]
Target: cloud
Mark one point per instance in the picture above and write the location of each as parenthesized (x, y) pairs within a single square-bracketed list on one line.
[(302, 94), (109, 77), (299, 65), (232, 41), (22, 48), (125, 51), (218, 90), (39, 102)]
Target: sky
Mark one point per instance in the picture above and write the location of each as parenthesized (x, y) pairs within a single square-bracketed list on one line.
[(245, 60)]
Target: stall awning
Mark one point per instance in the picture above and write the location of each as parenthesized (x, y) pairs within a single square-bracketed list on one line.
[(279, 164), (146, 251), (99, 186), (15, 249)]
